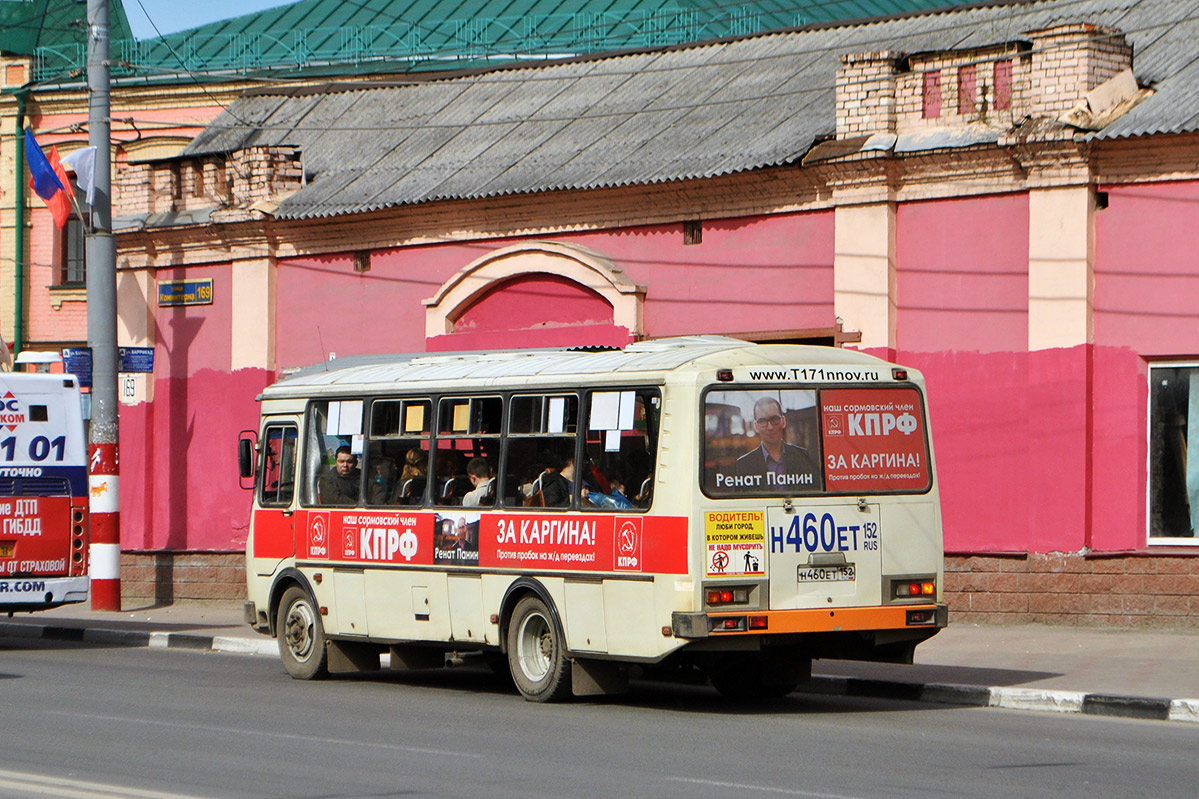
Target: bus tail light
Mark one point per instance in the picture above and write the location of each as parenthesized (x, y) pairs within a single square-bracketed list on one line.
[(757, 622), (727, 596), (78, 565), (910, 589), (924, 616), (728, 624)]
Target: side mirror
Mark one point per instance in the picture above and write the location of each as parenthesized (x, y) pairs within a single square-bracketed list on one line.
[(245, 457)]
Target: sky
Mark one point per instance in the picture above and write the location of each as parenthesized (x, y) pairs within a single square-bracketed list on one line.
[(176, 15)]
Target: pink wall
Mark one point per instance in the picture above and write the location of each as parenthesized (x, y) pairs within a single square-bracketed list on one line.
[(1042, 451), (962, 304), (179, 487), (1146, 292), (782, 279)]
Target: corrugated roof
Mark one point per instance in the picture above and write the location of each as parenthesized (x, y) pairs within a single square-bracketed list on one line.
[(52, 24), (666, 115)]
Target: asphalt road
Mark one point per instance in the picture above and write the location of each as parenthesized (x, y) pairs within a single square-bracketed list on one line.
[(81, 720)]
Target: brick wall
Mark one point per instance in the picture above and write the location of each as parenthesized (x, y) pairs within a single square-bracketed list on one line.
[(161, 578), (888, 92), (186, 184), (866, 94), (1142, 590), (1070, 60)]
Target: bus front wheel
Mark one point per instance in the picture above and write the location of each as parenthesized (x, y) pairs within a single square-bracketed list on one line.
[(536, 659), (301, 636)]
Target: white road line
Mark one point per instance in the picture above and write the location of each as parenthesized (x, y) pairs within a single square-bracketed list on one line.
[(265, 734), (39, 785), (742, 786)]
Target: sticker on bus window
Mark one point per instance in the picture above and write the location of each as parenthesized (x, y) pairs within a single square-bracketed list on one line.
[(874, 440)]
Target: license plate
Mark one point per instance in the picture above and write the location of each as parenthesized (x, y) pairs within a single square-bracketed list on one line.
[(826, 574), (6, 548)]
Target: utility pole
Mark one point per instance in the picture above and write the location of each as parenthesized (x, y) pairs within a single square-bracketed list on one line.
[(104, 471)]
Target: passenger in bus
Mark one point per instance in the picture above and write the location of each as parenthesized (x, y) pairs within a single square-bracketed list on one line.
[(612, 499), (481, 476), (383, 484), (410, 488), (774, 464), (555, 483), (339, 485)]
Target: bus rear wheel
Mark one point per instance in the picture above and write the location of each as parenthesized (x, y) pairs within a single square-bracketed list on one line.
[(302, 645), (536, 659)]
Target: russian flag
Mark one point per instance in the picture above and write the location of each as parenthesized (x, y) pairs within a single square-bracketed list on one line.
[(49, 179)]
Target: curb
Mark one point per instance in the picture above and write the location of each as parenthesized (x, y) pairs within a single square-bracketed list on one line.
[(136, 638), (1091, 704), (1133, 707)]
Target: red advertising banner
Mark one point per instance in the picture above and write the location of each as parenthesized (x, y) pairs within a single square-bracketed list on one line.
[(35, 535), (874, 440), (465, 537), (367, 536)]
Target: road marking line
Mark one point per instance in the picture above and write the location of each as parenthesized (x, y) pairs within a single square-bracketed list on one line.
[(38, 785), (742, 786), (421, 750)]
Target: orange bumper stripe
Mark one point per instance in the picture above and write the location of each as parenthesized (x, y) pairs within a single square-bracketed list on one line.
[(819, 620)]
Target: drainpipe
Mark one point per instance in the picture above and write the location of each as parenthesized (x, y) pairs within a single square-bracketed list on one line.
[(18, 340)]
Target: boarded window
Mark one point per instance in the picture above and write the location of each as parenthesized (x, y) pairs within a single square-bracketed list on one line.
[(931, 108), (1003, 85), (967, 90)]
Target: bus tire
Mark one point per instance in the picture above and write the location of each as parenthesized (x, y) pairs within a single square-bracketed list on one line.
[(536, 659), (302, 645)]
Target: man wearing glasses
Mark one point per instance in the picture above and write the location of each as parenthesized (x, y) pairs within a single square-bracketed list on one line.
[(775, 464)]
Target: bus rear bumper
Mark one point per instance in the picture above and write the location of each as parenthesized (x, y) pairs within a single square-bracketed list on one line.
[(930, 617), (41, 593)]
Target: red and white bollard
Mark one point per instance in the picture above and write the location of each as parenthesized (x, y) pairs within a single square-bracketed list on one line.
[(105, 506)]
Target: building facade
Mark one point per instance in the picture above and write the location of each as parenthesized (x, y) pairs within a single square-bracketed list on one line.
[(1001, 197)]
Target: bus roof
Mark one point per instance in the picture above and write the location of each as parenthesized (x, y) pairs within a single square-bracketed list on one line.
[(39, 382), (657, 357)]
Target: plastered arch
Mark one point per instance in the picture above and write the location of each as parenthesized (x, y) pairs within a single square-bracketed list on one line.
[(578, 264)]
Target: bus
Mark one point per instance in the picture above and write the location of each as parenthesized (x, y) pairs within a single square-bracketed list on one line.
[(688, 507), (43, 492)]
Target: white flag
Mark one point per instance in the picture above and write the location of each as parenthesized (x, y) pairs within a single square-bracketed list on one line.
[(83, 162)]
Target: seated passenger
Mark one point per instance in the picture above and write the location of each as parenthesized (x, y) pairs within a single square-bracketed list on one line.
[(478, 471), (339, 485), (612, 499), (556, 484)]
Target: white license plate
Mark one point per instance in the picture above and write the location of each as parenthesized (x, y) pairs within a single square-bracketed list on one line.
[(826, 574)]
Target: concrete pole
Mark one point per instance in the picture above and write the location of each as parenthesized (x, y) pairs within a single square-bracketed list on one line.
[(104, 472)]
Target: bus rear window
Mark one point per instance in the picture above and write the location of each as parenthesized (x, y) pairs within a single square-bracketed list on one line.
[(789, 442)]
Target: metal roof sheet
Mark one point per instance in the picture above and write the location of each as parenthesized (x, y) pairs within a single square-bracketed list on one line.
[(698, 111)]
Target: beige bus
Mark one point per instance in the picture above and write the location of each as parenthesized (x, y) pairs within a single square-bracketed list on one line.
[(696, 504)]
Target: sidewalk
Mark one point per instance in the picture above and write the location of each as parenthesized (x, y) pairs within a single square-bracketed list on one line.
[(1134, 673)]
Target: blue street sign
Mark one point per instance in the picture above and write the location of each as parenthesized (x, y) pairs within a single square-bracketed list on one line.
[(136, 359), (78, 361)]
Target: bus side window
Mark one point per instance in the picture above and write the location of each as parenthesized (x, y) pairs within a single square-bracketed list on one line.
[(331, 452), (397, 453), (277, 485), (622, 434), (467, 428), (539, 469)]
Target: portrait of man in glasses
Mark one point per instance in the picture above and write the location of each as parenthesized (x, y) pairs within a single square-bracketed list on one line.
[(775, 464)]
